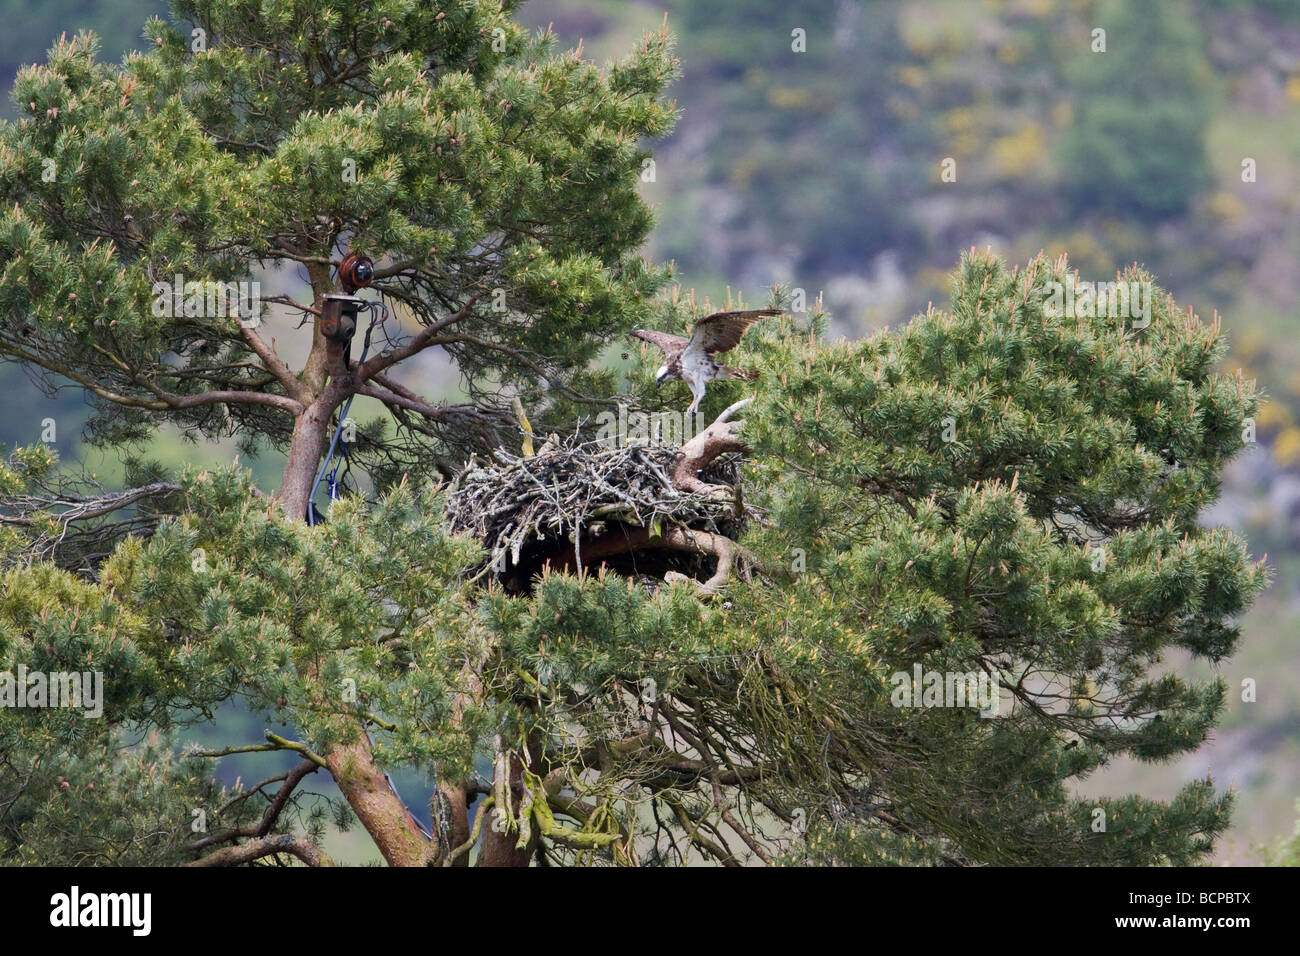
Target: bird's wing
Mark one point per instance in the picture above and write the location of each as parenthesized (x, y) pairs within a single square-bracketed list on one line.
[(665, 340), (722, 331)]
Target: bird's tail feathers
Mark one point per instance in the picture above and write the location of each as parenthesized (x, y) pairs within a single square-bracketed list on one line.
[(730, 371)]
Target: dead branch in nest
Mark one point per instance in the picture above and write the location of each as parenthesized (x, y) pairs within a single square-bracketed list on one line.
[(580, 502), (720, 438), (625, 540)]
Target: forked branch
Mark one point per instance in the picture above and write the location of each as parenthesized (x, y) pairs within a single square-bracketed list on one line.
[(697, 454)]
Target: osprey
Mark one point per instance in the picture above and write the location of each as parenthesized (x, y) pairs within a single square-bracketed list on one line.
[(693, 360)]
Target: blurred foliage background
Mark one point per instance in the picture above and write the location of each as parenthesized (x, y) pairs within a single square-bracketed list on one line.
[(820, 170)]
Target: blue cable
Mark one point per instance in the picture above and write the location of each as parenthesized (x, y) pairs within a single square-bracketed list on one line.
[(343, 415)]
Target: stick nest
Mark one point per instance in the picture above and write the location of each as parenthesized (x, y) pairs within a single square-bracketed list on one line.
[(526, 509)]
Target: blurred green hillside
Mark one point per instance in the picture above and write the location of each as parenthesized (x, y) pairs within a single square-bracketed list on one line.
[(809, 153)]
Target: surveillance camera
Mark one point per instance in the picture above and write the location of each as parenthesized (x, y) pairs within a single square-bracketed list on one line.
[(356, 272)]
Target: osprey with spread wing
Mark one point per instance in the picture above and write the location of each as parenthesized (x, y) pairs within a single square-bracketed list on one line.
[(693, 360)]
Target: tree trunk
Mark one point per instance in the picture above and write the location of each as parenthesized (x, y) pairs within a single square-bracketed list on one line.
[(305, 451), (375, 804), (310, 428), (362, 783), (450, 822)]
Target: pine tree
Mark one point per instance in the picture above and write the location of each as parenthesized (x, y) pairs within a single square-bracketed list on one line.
[(997, 490)]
